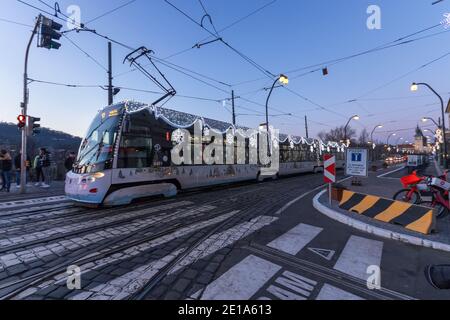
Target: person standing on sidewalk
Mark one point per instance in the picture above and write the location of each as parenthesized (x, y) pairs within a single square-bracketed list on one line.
[(45, 161), (37, 166), (6, 168)]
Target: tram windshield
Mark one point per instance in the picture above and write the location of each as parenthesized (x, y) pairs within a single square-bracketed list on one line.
[(97, 149)]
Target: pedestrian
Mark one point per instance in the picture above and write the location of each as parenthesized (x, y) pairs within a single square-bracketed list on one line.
[(68, 164), (37, 166), (45, 163), (6, 168)]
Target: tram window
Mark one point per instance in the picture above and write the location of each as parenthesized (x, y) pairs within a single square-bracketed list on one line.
[(135, 152)]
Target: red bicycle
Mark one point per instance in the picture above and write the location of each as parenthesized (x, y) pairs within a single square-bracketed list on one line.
[(438, 187), (413, 186)]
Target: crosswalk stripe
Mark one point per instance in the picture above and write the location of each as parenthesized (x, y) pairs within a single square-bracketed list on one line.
[(328, 292), (359, 254), (242, 281), (26, 202), (293, 241), (223, 239)]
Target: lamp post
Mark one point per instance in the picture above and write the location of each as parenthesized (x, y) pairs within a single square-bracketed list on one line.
[(355, 117), (284, 80), (389, 137), (425, 119), (371, 139), (415, 87)]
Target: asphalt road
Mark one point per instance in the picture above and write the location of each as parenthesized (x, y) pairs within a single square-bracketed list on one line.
[(247, 241)]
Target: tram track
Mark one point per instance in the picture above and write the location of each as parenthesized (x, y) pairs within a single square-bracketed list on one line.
[(32, 281), (255, 198)]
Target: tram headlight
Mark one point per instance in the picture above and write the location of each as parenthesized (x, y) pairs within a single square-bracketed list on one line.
[(93, 177)]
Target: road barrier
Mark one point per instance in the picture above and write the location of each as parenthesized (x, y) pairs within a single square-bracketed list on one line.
[(411, 217)]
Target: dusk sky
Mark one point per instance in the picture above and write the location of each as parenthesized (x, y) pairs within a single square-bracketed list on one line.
[(284, 36)]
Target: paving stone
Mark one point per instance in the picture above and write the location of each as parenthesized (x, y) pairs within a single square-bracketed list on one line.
[(17, 269), (205, 278), (190, 274), (172, 295), (212, 267), (181, 285), (59, 293), (103, 278)]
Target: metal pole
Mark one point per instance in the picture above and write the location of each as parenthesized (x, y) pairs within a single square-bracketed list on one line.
[(306, 127), (443, 121), (232, 104), (110, 86), (24, 106), (267, 115)]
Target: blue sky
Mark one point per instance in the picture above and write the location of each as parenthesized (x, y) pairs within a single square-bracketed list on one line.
[(286, 35)]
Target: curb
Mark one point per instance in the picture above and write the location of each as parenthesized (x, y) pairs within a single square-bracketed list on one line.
[(365, 227)]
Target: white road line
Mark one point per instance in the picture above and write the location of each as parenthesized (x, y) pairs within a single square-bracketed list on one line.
[(390, 172), (223, 239), (358, 254), (124, 286), (91, 223), (136, 250), (289, 204), (242, 281), (20, 203), (296, 239), (29, 255), (328, 292)]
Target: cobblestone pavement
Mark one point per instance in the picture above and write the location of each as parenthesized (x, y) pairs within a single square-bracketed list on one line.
[(246, 241)]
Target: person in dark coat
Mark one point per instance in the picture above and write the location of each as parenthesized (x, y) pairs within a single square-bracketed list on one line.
[(70, 160), (5, 169)]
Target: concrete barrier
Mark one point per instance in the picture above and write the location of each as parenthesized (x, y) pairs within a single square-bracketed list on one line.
[(412, 217)]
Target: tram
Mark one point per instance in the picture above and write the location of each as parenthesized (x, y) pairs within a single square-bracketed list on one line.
[(127, 154)]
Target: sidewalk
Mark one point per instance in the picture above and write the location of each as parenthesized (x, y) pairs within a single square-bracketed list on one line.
[(385, 184), (56, 189)]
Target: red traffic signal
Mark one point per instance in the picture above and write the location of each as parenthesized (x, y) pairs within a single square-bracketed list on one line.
[(22, 121)]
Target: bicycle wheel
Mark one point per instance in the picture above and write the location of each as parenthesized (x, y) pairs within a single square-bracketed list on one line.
[(441, 211), (405, 195)]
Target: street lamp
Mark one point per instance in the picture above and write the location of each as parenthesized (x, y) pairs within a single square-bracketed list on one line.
[(415, 87), (373, 142), (355, 117), (284, 80), (389, 137), (373, 131), (425, 119)]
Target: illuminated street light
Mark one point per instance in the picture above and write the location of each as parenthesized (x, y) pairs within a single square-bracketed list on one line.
[(284, 80), (356, 118), (415, 87)]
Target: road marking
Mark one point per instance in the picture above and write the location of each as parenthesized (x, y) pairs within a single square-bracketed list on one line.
[(328, 292), (69, 228), (20, 203), (300, 288), (223, 239), (324, 253), (126, 285), (296, 239), (390, 172), (289, 204), (242, 281), (137, 250), (359, 253), (70, 244)]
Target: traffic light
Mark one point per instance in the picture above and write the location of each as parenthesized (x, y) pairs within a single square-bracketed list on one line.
[(49, 33), (33, 126), (22, 121)]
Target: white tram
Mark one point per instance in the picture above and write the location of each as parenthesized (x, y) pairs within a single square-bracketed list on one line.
[(126, 155)]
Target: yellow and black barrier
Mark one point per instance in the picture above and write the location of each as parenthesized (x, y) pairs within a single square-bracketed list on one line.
[(412, 217)]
